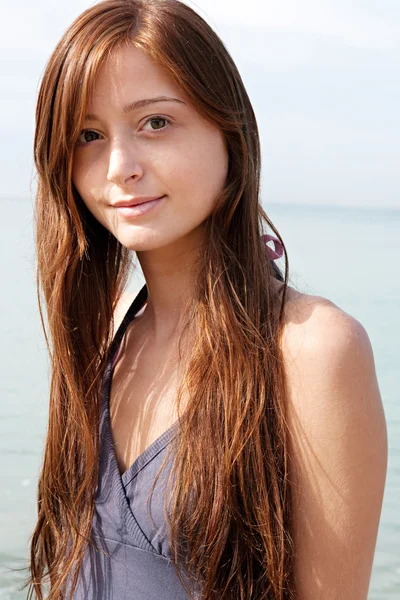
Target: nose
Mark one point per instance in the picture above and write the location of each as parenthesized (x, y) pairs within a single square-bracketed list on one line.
[(123, 163)]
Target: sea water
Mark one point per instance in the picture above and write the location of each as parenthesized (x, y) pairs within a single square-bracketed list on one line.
[(349, 255)]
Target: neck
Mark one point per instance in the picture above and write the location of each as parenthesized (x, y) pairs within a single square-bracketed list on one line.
[(170, 274)]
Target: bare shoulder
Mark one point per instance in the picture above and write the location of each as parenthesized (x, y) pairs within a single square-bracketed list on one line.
[(315, 325), (322, 344), (338, 447), (329, 363)]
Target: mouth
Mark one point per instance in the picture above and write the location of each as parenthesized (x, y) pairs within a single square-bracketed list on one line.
[(135, 201), (136, 209)]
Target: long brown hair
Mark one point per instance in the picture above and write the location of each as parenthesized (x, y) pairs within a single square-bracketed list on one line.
[(230, 505)]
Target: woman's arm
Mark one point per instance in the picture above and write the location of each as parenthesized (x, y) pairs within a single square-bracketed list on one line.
[(338, 450)]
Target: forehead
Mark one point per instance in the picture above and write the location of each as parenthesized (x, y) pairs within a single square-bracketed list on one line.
[(129, 74)]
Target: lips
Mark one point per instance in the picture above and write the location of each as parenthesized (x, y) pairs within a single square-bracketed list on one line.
[(135, 201), (131, 210)]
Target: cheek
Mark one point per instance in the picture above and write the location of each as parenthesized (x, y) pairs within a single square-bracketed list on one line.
[(212, 159), (77, 168), (78, 178), (201, 171), (84, 179)]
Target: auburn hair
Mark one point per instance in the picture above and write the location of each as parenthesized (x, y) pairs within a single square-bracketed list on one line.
[(229, 512)]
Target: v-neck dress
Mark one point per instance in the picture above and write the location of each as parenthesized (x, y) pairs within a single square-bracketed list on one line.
[(133, 559)]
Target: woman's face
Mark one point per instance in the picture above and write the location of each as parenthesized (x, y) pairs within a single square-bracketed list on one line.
[(152, 149)]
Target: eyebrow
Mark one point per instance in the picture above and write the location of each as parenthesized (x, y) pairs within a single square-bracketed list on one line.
[(139, 104)]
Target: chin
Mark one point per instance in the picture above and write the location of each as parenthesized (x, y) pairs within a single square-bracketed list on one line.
[(147, 239), (143, 245)]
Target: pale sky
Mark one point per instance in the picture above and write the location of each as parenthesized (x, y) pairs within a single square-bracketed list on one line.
[(323, 77)]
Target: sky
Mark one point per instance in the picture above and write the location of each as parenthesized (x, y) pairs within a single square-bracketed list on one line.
[(323, 77)]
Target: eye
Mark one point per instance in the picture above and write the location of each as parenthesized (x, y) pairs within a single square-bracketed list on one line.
[(87, 136), (84, 135), (158, 119)]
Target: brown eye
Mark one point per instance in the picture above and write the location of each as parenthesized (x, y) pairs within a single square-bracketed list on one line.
[(86, 136), (159, 121)]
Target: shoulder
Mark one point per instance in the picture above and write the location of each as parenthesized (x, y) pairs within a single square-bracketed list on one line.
[(315, 328), (324, 346), (330, 370), (337, 447)]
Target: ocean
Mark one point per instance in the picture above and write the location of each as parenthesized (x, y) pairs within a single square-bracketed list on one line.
[(349, 255)]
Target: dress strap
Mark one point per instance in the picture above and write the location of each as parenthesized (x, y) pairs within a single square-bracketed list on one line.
[(138, 303)]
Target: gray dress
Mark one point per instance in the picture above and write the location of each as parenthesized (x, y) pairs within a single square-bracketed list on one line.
[(133, 560)]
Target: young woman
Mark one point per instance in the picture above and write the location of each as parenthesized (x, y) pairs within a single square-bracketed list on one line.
[(221, 434)]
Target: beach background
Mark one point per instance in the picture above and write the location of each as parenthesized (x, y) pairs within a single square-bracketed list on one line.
[(350, 256), (322, 76)]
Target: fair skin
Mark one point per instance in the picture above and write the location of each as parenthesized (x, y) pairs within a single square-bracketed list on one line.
[(339, 449), (130, 156), (335, 416)]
